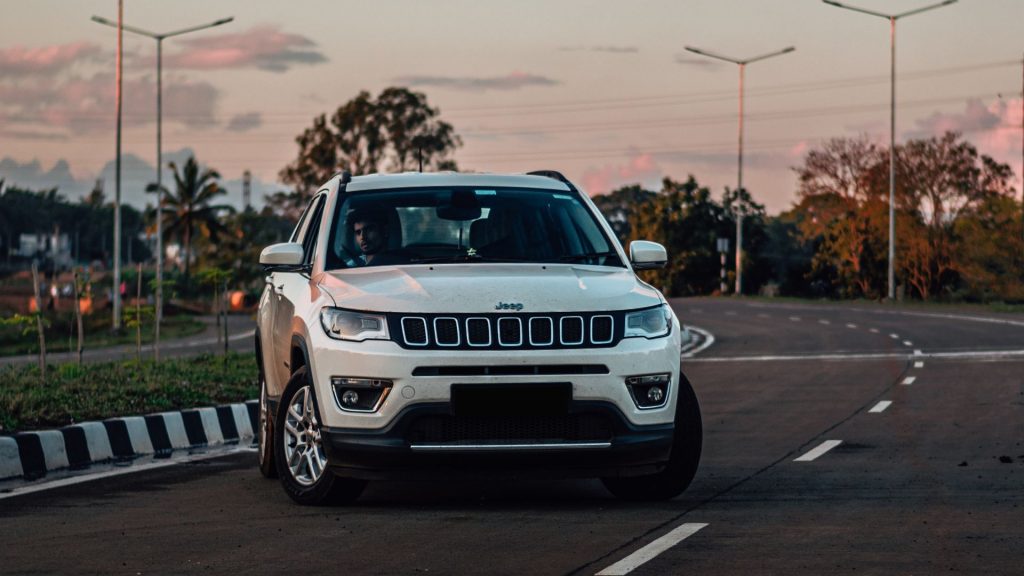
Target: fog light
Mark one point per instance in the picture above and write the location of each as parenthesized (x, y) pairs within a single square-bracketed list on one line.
[(654, 395), (350, 398), (649, 390), (360, 394)]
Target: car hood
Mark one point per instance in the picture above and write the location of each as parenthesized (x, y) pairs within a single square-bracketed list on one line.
[(482, 288)]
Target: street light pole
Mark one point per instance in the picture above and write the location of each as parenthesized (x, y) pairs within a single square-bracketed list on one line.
[(116, 293), (159, 155), (892, 121), (739, 156)]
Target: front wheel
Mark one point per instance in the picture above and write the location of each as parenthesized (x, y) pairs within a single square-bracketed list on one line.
[(683, 461), (299, 452)]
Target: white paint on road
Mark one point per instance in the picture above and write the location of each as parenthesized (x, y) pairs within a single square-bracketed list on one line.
[(818, 451), (709, 339), (794, 318), (649, 552), (962, 355), (894, 336), (730, 313), (908, 380), (851, 326), (908, 343), (39, 486), (880, 407), (823, 321), (873, 330), (918, 364), (918, 352)]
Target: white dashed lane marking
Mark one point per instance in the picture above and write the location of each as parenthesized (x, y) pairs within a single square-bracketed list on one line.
[(873, 330), (851, 326), (894, 336), (794, 318), (908, 343), (880, 407), (908, 380), (818, 451), (825, 322), (647, 553), (919, 364)]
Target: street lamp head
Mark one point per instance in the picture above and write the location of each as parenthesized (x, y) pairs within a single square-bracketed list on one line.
[(230, 18), (788, 49)]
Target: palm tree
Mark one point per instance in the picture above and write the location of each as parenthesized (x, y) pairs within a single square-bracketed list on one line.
[(189, 211)]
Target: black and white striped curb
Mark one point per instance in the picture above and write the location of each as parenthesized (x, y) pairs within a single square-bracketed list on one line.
[(31, 455)]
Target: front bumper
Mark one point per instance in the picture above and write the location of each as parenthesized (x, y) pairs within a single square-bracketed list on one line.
[(403, 449)]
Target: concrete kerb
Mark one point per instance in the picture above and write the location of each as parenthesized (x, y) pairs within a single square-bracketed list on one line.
[(30, 455)]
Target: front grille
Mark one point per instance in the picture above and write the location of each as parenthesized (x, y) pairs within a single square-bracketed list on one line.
[(414, 330), (510, 331), (507, 331), (446, 331), (478, 332), (498, 429)]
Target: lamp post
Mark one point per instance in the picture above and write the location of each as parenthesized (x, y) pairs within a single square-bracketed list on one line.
[(159, 155), (892, 120), (739, 171)]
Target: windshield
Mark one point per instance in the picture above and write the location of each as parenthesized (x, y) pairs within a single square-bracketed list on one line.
[(437, 226)]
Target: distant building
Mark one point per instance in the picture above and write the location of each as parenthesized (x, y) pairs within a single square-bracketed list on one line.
[(53, 247)]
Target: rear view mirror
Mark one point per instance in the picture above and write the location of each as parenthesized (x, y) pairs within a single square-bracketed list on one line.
[(463, 206), (284, 255), (646, 255)]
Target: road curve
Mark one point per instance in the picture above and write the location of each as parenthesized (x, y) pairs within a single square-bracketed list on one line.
[(838, 438)]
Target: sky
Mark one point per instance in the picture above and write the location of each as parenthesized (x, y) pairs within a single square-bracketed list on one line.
[(602, 91)]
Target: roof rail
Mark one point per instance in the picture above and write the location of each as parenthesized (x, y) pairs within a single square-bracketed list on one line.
[(554, 174), (346, 176)]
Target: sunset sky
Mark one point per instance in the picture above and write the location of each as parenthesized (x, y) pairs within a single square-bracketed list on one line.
[(603, 91)]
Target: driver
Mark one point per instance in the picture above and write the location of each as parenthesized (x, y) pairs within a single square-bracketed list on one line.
[(370, 231)]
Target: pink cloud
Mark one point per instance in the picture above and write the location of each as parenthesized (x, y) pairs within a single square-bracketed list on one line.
[(639, 169), (22, 61), (994, 128), (263, 47), (83, 105)]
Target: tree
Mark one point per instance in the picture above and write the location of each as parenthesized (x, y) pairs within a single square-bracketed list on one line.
[(619, 205), (942, 179), (845, 215), (189, 211), (687, 221), (395, 131)]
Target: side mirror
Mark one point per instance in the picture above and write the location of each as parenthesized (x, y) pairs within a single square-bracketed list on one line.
[(285, 255), (646, 255)]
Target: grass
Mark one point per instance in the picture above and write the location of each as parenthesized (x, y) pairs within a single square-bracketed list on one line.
[(108, 389), (14, 341)]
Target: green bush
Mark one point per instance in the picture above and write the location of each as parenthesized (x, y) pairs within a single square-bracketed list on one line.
[(104, 390)]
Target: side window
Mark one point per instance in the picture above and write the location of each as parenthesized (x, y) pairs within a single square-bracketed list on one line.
[(312, 231), (297, 233)]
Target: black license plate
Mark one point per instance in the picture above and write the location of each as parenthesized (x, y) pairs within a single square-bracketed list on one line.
[(540, 399)]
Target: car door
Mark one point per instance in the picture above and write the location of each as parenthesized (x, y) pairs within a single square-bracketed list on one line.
[(291, 289)]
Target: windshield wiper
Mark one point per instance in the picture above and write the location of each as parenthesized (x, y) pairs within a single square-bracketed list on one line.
[(586, 256)]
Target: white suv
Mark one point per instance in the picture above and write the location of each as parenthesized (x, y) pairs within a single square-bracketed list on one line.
[(434, 323)]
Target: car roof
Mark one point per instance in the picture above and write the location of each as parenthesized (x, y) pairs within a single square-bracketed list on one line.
[(448, 179)]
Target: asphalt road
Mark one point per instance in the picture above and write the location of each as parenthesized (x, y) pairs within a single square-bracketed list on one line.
[(934, 483)]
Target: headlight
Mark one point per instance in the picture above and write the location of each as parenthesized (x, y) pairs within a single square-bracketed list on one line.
[(650, 323), (355, 326)]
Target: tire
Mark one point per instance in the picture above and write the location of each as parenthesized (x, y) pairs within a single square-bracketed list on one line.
[(297, 440), (683, 460), (265, 435)]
